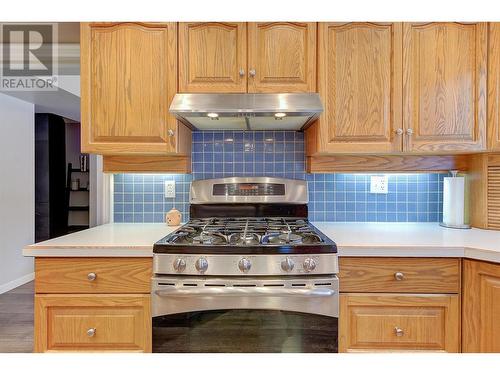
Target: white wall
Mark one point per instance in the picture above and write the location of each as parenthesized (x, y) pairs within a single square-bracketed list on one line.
[(17, 190)]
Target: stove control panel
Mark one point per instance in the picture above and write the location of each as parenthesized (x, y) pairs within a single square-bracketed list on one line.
[(243, 265), (248, 188)]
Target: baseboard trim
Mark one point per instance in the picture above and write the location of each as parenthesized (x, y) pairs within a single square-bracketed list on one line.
[(17, 282)]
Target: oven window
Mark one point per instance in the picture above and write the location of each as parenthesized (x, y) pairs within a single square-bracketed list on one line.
[(245, 331)]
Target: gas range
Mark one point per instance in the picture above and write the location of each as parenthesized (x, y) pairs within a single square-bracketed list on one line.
[(248, 244), (247, 226)]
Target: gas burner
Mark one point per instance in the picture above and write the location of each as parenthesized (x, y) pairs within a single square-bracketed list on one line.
[(282, 238), (244, 239), (213, 238), (310, 238)]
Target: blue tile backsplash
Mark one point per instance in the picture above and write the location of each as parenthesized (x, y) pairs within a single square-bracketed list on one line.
[(332, 196)]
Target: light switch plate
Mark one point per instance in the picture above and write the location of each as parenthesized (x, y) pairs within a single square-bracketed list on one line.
[(379, 184), (170, 189)]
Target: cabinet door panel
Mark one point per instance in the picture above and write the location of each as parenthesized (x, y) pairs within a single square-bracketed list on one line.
[(129, 77), (283, 55), (359, 82), (481, 307), (399, 322), (445, 86), (120, 322), (212, 57)]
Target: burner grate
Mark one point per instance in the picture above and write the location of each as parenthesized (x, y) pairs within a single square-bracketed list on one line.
[(246, 231)]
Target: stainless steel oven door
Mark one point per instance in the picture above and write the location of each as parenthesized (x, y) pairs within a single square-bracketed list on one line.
[(245, 315), (312, 295)]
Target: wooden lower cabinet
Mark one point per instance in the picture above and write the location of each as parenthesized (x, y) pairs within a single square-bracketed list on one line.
[(93, 275), (93, 304), (399, 275), (481, 307), (92, 322), (399, 322)]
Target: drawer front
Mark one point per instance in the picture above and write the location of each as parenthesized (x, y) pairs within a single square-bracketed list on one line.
[(93, 275), (92, 323), (377, 322), (399, 275)]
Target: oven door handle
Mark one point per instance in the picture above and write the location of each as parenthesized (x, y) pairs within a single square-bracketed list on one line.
[(244, 292)]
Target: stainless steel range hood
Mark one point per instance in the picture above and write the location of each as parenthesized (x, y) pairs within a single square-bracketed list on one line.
[(292, 111)]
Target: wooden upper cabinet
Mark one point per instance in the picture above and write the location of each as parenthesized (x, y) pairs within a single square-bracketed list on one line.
[(128, 79), (444, 86), (282, 57), (494, 86), (212, 57), (359, 75), (481, 307)]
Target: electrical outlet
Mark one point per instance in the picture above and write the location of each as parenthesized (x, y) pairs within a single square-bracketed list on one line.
[(170, 189), (379, 184)]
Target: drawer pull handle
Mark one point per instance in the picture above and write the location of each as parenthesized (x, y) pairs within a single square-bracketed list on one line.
[(398, 331), (399, 276), (91, 332), (91, 276)]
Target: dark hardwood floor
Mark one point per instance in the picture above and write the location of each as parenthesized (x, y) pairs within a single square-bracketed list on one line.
[(16, 320)]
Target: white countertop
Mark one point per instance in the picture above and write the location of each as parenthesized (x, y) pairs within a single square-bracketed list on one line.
[(412, 240), (353, 239), (108, 240)]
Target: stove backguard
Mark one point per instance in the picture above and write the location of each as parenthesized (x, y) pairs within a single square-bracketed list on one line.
[(203, 211)]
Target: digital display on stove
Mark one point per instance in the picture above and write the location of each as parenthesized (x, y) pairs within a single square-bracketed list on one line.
[(248, 189)]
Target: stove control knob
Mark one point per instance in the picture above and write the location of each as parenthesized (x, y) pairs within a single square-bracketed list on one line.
[(287, 264), (244, 265), (179, 265), (201, 265), (309, 264)]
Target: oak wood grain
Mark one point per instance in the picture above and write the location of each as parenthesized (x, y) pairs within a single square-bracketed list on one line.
[(128, 77), (481, 307), (367, 323), (114, 275), (484, 177), (494, 86), (359, 81), (387, 163), (121, 322), (211, 56), (420, 275), (444, 86), (283, 55), (146, 164)]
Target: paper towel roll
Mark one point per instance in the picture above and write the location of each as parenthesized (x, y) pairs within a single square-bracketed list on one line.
[(454, 201)]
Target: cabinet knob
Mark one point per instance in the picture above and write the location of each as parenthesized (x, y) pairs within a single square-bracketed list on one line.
[(399, 131), (398, 331), (91, 332), (91, 276), (171, 133), (252, 72), (242, 72), (399, 276), (409, 132)]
